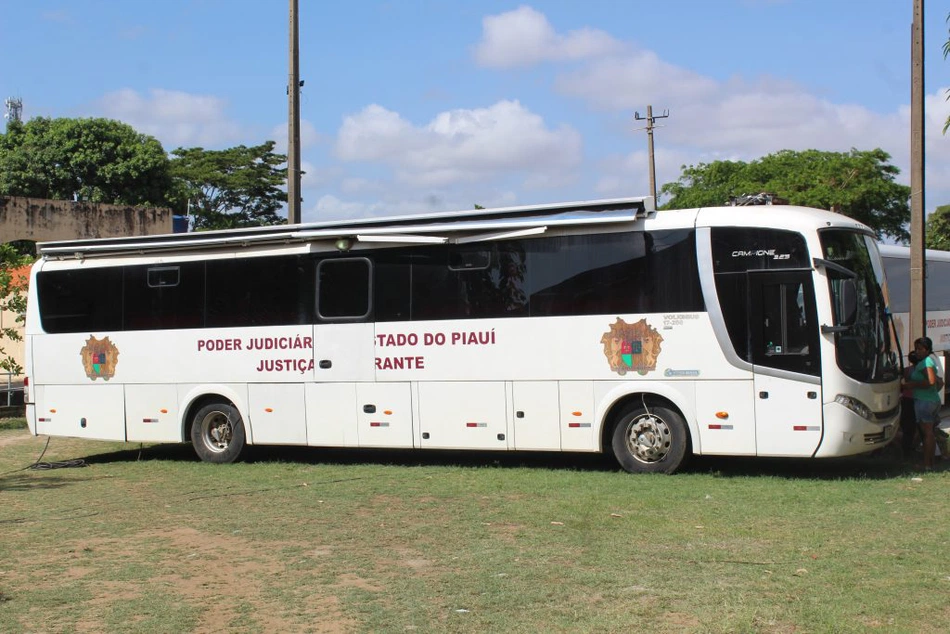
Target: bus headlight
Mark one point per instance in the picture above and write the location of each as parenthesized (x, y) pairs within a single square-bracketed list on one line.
[(854, 405)]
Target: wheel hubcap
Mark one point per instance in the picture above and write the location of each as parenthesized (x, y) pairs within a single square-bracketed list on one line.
[(216, 431), (648, 438)]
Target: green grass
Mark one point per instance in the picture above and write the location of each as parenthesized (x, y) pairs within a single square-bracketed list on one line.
[(12, 423), (300, 540)]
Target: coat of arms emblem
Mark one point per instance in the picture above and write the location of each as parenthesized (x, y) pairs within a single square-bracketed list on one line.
[(631, 347), (99, 358)]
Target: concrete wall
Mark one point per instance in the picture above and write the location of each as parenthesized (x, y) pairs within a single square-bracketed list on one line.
[(45, 220)]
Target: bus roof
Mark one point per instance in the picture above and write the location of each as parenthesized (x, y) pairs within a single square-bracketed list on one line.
[(477, 224)]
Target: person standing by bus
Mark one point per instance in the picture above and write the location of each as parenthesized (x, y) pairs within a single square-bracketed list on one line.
[(923, 382), (908, 416)]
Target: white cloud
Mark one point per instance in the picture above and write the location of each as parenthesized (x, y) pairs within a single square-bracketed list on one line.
[(503, 154), (391, 202), (632, 81), (175, 118), (314, 176), (332, 208), (460, 145), (524, 37), (359, 185), (746, 119)]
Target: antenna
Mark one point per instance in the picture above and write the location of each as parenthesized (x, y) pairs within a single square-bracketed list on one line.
[(14, 109)]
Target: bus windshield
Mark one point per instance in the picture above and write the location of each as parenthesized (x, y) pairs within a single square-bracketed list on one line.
[(862, 329)]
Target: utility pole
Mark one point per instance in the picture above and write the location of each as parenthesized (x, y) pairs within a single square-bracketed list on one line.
[(651, 120), (918, 259), (293, 122)]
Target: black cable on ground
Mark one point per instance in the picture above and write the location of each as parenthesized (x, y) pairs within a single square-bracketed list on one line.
[(61, 464), (43, 466)]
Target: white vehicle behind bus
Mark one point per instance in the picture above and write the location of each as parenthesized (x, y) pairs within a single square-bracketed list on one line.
[(575, 327), (897, 266)]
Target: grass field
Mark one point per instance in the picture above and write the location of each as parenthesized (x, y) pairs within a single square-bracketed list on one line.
[(150, 540)]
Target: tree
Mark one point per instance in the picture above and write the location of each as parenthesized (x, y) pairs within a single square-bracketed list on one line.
[(236, 187), (858, 184), (95, 160), (12, 299), (938, 229), (946, 51)]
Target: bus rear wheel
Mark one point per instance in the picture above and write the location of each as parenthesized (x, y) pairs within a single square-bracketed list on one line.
[(650, 440), (217, 433)]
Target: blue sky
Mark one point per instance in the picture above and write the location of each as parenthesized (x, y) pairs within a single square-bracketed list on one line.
[(413, 106)]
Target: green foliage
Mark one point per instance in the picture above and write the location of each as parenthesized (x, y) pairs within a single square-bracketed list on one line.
[(938, 229), (236, 187), (12, 423), (95, 160), (946, 51), (12, 299), (858, 184)]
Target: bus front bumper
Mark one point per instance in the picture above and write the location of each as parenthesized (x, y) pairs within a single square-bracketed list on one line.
[(846, 433)]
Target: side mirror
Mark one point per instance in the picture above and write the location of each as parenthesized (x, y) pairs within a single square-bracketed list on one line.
[(847, 308), (847, 295), (849, 303)]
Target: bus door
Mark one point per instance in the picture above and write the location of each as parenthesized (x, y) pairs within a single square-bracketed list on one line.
[(341, 403), (784, 340)]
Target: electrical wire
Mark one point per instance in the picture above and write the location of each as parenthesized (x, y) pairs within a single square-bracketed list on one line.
[(37, 465), (61, 464)]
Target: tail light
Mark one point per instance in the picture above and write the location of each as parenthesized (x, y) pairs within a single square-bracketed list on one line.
[(26, 389)]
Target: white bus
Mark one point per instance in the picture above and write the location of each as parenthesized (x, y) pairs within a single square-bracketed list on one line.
[(897, 265), (575, 327)]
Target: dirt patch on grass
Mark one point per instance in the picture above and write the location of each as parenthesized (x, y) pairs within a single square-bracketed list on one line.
[(12, 436), (233, 584), (221, 571)]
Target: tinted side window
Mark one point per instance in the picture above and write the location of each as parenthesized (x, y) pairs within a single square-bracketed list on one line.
[(80, 300), (743, 249), (569, 275), (469, 281), (266, 291), (167, 296), (343, 288), (739, 250), (784, 329), (492, 281), (938, 285), (614, 273), (898, 283), (392, 289), (435, 290)]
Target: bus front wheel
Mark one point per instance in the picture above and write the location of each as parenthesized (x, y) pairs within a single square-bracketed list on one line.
[(650, 440), (217, 433)]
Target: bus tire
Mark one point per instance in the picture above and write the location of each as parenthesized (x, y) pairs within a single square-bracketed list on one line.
[(217, 433), (650, 440)]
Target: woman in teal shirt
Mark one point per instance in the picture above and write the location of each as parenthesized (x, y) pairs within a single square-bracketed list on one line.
[(923, 382)]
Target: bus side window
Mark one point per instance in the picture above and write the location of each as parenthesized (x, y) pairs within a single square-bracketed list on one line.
[(782, 322), (343, 289)]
